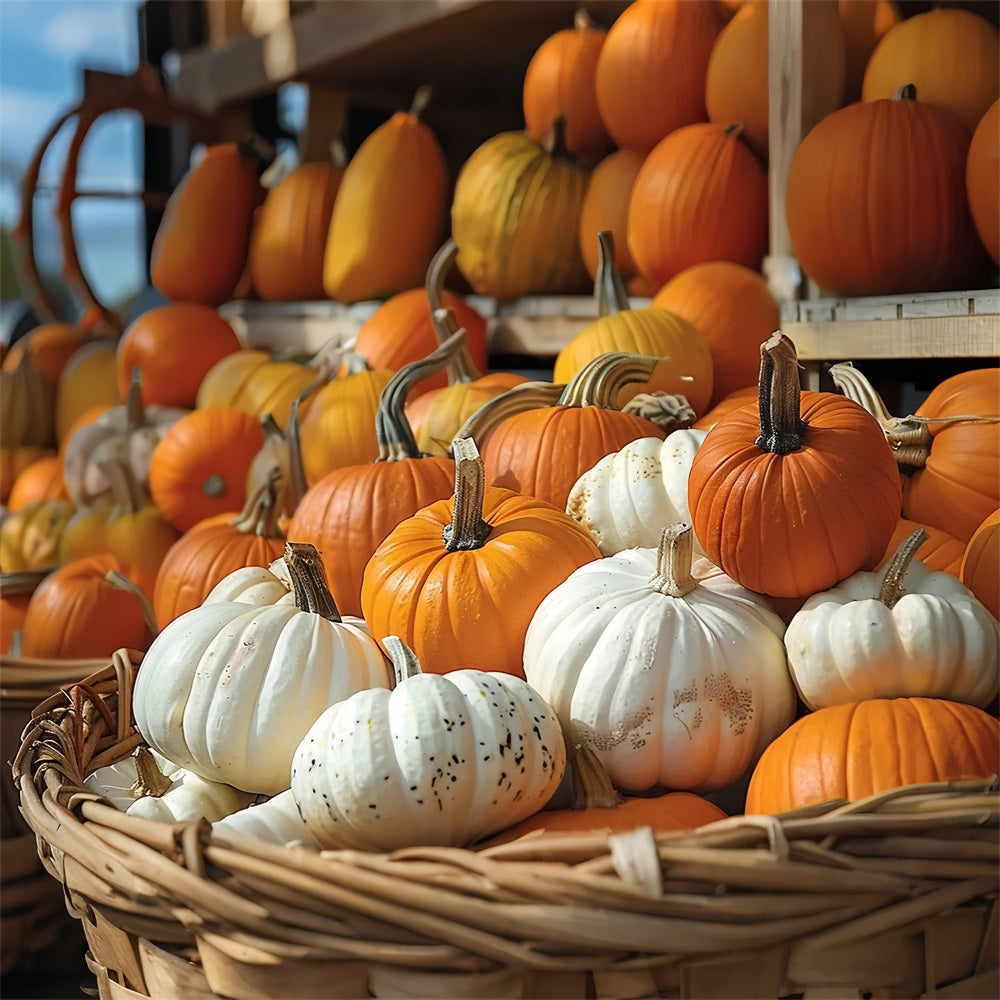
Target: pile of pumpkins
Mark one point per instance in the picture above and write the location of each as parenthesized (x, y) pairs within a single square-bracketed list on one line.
[(386, 596)]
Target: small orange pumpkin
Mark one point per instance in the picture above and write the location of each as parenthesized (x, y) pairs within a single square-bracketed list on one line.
[(980, 566), (41, 480)]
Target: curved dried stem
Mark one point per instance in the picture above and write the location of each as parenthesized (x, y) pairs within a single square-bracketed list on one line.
[(599, 381), (518, 399)]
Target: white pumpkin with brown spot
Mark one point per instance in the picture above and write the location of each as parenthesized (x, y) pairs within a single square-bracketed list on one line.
[(442, 759), (673, 673)]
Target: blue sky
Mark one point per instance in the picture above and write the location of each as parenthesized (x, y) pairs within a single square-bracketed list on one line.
[(44, 45)]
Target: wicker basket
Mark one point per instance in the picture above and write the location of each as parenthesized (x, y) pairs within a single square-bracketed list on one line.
[(895, 895)]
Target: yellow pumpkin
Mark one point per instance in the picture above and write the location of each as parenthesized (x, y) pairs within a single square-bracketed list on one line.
[(90, 378), (29, 538)]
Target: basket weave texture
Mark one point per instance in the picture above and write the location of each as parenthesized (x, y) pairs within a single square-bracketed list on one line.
[(895, 895)]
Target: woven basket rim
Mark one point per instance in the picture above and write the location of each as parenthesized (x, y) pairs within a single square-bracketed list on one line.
[(819, 877)]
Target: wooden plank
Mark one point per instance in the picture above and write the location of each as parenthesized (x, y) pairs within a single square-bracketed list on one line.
[(982, 302)]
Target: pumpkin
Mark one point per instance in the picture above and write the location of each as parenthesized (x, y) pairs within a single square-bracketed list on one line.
[(685, 364), (628, 497), (351, 510), (215, 547), (980, 566), (515, 215), (951, 55), (146, 784), (605, 209), (860, 748), (49, 347), (288, 238), (173, 346), (598, 806), (256, 585), (864, 23), (700, 195), (950, 446), (274, 821), (226, 670), (792, 495), (538, 438), (671, 672), (13, 608), (41, 480), (13, 461), (900, 163), (129, 432), (982, 180), (29, 537), (390, 211), (77, 613), (280, 457), (438, 759), (904, 632), (559, 83), (733, 309), (940, 552), (27, 401), (736, 82), (89, 379), (652, 68), (468, 572), (199, 250), (199, 468)]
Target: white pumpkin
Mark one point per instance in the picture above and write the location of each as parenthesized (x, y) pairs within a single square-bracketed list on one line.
[(274, 821), (673, 673), (628, 498), (148, 785), (254, 585), (227, 690), (441, 759), (903, 632)]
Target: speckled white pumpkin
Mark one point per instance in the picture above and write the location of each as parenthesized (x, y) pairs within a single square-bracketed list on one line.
[(673, 673), (628, 498), (441, 759)]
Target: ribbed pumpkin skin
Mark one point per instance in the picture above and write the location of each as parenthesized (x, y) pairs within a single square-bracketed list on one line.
[(449, 607), (865, 22), (200, 249), (389, 214), (793, 525), (515, 217), (653, 332), (733, 310), (941, 552), (543, 452), (960, 483), (951, 56), (900, 164), (700, 195), (980, 566), (288, 239), (857, 749), (351, 511), (982, 180), (651, 73)]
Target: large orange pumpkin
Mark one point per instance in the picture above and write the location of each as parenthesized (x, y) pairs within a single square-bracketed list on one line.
[(651, 71), (200, 248), (861, 748), (792, 495), (980, 566), (982, 180), (700, 195), (900, 165)]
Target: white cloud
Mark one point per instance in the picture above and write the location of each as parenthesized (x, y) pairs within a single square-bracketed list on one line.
[(93, 30)]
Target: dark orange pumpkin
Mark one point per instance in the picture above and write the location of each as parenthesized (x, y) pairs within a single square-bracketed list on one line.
[(980, 566), (982, 180), (941, 551)]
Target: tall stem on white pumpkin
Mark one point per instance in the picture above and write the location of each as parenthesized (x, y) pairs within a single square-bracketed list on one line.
[(467, 530), (404, 661), (782, 430), (305, 567), (891, 589), (673, 561)]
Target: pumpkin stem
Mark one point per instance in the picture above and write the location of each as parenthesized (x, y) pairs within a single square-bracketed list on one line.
[(467, 530), (592, 788), (129, 496), (150, 780), (554, 141), (673, 561), (582, 20), (214, 486), (392, 430), (122, 582), (734, 130), (338, 152), (609, 289), (461, 368), (891, 589), (404, 661), (669, 412), (261, 513), (599, 381), (135, 412), (517, 399), (354, 363), (421, 99), (305, 567), (908, 92), (782, 430)]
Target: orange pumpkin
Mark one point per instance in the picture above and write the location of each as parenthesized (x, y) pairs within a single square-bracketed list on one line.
[(90, 378), (461, 578), (982, 180), (76, 613), (173, 346), (49, 348), (858, 749), (794, 494), (199, 468), (652, 68), (559, 82), (41, 480), (700, 195), (980, 566), (13, 461), (941, 552), (288, 239), (864, 22), (733, 310), (200, 248), (733, 401), (13, 608)]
